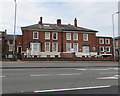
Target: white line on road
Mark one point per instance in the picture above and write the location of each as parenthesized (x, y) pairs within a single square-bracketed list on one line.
[(71, 74), (113, 77), (92, 69), (56, 74), (109, 73), (41, 75), (2, 76), (69, 89)]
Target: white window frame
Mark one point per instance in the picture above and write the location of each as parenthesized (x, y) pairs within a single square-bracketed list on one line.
[(85, 39), (103, 48), (67, 48), (56, 35), (53, 47), (75, 36), (34, 35), (107, 40), (10, 47), (46, 46), (74, 47), (107, 47), (47, 37), (32, 47), (68, 36), (8, 42), (85, 49), (101, 39)]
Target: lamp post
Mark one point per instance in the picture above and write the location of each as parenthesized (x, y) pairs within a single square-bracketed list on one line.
[(14, 29), (113, 34)]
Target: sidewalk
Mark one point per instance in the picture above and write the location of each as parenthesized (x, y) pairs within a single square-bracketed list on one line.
[(58, 64)]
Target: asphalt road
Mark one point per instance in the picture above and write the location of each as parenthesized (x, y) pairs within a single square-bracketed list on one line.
[(58, 64), (59, 79)]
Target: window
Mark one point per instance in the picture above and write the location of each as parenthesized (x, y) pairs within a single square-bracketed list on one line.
[(107, 49), (101, 49), (54, 47), (68, 36), (75, 46), (47, 47), (107, 41), (35, 47), (75, 36), (101, 41), (55, 36), (0, 39), (35, 35), (47, 35), (68, 47), (85, 37), (8, 42), (116, 43), (86, 49), (10, 47)]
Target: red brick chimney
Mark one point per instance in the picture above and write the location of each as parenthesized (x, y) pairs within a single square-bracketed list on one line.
[(75, 22), (40, 22), (58, 22)]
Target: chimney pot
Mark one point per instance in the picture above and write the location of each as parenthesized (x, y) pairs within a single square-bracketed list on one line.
[(40, 22), (58, 22), (75, 22)]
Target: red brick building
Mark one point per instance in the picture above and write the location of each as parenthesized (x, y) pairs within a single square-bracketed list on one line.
[(117, 46), (57, 40)]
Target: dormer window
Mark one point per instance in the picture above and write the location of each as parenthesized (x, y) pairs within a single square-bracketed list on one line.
[(35, 35)]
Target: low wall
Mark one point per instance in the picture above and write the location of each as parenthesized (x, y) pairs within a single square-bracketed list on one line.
[(70, 59)]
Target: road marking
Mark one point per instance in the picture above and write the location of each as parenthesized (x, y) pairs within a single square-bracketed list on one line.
[(56, 74), (113, 77), (81, 69), (41, 75), (2, 76), (69, 89), (92, 69), (71, 74), (109, 73), (114, 68)]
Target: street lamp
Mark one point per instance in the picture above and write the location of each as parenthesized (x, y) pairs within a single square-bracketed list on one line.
[(113, 34), (14, 29)]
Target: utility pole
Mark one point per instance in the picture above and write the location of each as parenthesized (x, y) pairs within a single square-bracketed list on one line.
[(14, 38)]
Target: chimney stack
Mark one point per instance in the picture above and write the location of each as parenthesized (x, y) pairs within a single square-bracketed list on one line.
[(75, 22), (40, 22), (58, 22)]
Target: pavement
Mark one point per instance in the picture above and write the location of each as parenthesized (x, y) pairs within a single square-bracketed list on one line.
[(57, 64)]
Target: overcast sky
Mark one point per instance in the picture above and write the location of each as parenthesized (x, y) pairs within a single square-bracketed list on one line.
[(94, 14)]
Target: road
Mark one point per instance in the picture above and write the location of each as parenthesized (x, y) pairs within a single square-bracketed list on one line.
[(44, 80)]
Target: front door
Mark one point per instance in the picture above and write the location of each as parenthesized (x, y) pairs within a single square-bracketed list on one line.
[(19, 51)]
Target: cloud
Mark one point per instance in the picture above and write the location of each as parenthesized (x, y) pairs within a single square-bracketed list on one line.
[(93, 15)]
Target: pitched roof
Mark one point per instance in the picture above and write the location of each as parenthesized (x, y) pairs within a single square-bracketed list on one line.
[(63, 27), (9, 37)]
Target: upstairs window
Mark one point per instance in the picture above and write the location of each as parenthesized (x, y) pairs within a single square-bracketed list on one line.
[(107, 41), (85, 37), (47, 35), (75, 36), (68, 36), (54, 36), (101, 41), (35, 35)]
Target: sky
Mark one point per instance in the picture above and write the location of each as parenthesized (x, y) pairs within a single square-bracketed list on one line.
[(92, 14)]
